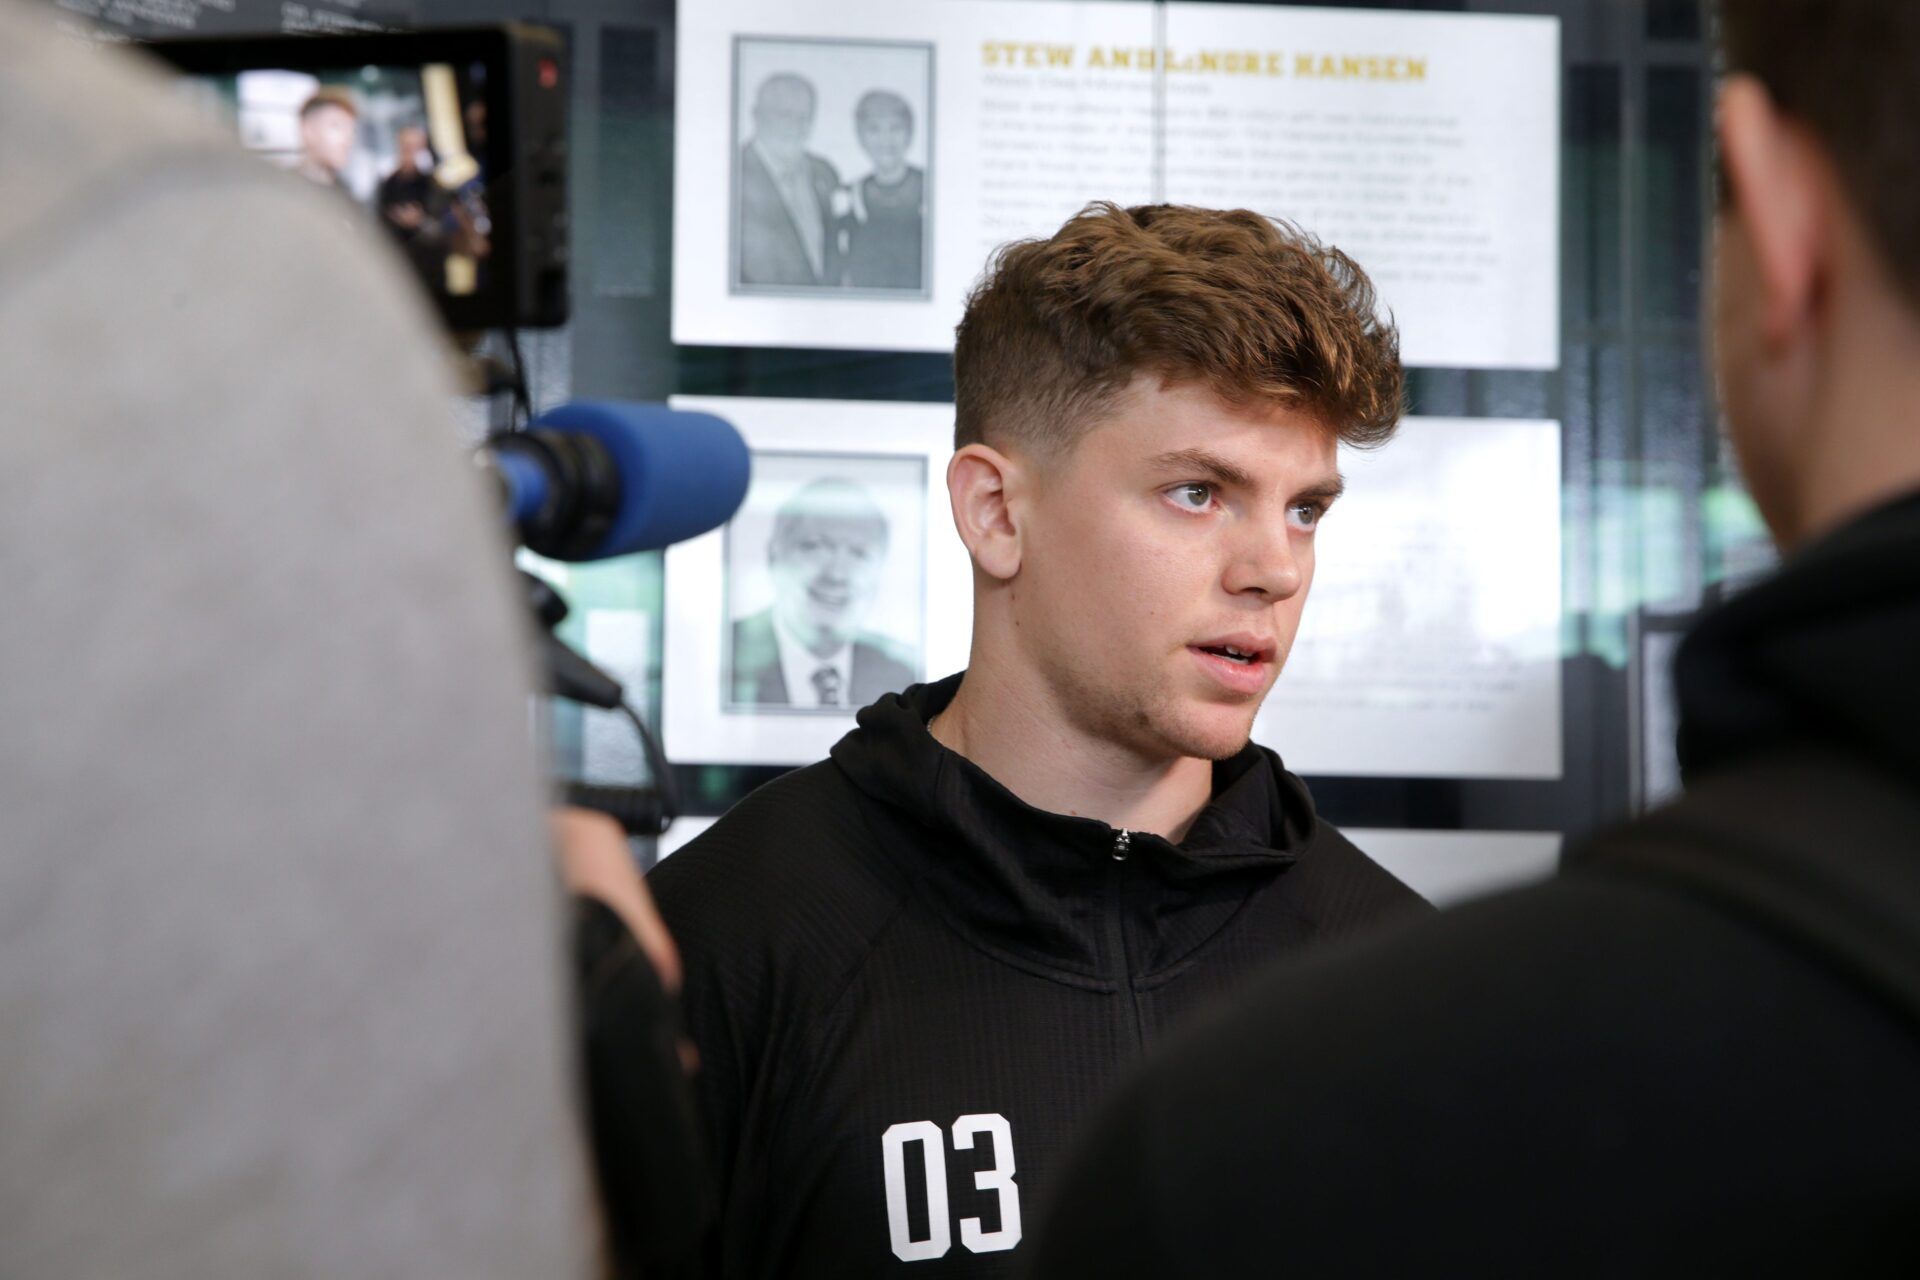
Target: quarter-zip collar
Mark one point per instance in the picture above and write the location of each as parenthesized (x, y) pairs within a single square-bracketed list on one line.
[(1036, 887)]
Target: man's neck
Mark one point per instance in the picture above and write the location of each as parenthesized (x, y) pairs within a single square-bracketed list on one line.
[(1015, 730), (1863, 448)]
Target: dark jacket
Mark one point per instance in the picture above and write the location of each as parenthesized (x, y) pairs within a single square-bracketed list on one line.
[(907, 986), (1695, 1053), (769, 246), (755, 677)]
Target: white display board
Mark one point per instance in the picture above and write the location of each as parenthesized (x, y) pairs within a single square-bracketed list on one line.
[(1425, 145), (1429, 645), (846, 529), (1430, 642), (1450, 867)]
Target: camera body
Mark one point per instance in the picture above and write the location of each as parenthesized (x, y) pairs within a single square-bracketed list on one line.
[(484, 219)]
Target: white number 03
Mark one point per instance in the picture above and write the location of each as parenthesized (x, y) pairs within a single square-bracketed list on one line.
[(933, 1157)]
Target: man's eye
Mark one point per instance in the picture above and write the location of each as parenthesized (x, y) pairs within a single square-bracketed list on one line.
[(1306, 515), (1191, 497)]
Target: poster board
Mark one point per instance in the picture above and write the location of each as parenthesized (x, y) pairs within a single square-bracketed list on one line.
[(846, 533), (1430, 643), (1425, 145)]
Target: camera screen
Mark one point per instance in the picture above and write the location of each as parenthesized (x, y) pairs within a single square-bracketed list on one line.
[(404, 146)]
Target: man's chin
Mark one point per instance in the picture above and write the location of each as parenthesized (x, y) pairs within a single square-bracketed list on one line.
[(1210, 734)]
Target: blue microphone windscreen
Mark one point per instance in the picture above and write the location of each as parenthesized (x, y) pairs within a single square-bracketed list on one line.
[(526, 481), (681, 472)]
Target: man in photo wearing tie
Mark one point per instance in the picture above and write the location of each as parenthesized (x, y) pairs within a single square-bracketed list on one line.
[(787, 234), (808, 650)]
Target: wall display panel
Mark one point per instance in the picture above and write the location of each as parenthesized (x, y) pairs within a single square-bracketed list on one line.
[(840, 579), (844, 170), (1430, 643), (1450, 867)]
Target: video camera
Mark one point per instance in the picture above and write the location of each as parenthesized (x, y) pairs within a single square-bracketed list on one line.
[(453, 140)]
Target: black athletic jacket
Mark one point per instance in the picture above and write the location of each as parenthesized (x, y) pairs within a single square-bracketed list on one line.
[(1696, 1053), (907, 986)]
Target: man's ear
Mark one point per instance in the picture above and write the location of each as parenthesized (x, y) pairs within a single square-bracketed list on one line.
[(982, 482), (1776, 176)]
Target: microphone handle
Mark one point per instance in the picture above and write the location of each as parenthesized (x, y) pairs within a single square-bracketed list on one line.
[(572, 677)]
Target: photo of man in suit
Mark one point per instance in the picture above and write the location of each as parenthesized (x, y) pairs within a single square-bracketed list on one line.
[(787, 230), (810, 649)]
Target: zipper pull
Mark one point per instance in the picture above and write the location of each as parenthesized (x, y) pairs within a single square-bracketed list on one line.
[(1122, 845)]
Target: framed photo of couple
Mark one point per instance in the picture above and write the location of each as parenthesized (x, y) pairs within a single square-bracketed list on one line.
[(839, 580), (831, 168)]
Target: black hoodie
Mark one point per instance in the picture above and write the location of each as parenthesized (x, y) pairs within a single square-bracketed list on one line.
[(1828, 651), (1696, 1053), (907, 985)]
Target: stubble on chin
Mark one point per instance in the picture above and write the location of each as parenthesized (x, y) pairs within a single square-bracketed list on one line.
[(1209, 742), (1147, 715), (1165, 725)]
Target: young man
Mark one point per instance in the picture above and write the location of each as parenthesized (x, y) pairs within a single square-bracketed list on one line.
[(329, 124), (1696, 1053), (912, 967)]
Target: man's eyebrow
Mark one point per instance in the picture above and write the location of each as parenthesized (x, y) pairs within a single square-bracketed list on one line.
[(1217, 468), (1201, 462), (1325, 491)]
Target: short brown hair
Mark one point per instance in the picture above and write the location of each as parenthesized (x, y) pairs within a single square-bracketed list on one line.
[(1849, 70), (330, 96), (1253, 309)]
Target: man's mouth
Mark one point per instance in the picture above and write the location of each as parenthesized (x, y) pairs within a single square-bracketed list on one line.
[(1247, 650), (1238, 663), (1230, 653)]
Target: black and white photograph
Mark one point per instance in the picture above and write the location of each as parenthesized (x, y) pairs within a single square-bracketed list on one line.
[(824, 593), (839, 580), (832, 147)]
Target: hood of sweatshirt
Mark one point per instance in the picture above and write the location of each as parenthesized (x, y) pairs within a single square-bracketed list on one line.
[(1826, 650), (1044, 890)]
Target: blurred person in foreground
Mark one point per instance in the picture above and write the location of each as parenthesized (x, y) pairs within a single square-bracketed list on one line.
[(1698, 1051), (911, 968), (283, 965)]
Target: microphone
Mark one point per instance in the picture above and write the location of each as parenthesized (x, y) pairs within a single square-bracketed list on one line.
[(599, 478)]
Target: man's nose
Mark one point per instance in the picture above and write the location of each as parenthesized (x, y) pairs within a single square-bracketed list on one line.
[(1264, 560)]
